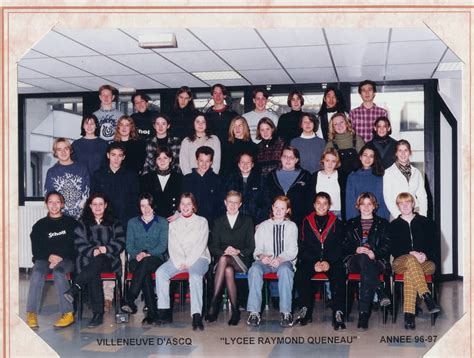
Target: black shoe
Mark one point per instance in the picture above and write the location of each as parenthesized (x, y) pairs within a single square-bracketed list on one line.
[(197, 322), (363, 323), (235, 318), (149, 320), (384, 301), (97, 320), (409, 321), (433, 307), (338, 321), (303, 317), (70, 294), (164, 316), (129, 307), (211, 315)]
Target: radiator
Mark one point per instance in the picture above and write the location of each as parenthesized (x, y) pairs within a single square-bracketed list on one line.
[(29, 215)]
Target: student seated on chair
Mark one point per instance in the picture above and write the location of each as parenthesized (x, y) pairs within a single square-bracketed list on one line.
[(187, 247), (320, 251), (99, 240), (147, 241), (276, 248), (52, 243), (232, 244), (368, 247), (413, 239)]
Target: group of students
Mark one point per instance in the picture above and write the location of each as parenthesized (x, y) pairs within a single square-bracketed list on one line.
[(200, 202)]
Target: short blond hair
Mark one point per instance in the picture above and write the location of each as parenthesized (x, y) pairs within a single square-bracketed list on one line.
[(405, 197), (61, 140)]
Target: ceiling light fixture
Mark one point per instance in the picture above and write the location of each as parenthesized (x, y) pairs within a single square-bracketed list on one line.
[(217, 75), (157, 41)]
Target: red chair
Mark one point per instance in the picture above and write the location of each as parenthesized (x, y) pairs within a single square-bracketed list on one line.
[(398, 279), (356, 278)]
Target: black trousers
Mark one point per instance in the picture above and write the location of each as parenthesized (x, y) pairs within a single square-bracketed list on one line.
[(369, 271), (142, 281), (90, 276), (337, 280)]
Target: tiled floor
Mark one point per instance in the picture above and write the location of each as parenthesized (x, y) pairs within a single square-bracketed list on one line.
[(218, 339)]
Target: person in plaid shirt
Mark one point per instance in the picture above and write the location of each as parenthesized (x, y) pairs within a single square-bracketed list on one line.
[(364, 116)]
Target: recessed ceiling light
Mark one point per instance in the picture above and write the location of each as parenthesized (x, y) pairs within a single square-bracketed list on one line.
[(157, 41), (449, 66), (217, 75)]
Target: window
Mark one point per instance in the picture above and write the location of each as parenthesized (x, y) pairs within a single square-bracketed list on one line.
[(46, 119), (405, 106)]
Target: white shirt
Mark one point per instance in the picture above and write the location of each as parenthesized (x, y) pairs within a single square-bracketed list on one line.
[(232, 219), (330, 185), (254, 117), (163, 180)]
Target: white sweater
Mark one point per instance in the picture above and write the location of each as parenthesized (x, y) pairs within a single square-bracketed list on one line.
[(187, 240), (264, 243), (394, 183), (187, 153)]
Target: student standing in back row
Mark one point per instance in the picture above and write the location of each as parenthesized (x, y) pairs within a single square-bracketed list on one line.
[(364, 116), (220, 114), (260, 98), (107, 114)]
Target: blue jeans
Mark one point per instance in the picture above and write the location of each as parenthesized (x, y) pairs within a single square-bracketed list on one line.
[(196, 273), (285, 274), (40, 270)]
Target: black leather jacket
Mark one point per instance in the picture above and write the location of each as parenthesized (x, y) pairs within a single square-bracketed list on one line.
[(378, 238)]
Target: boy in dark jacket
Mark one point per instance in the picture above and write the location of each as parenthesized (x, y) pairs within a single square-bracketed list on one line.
[(206, 186)]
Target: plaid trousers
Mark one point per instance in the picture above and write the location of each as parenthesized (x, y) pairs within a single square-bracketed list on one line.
[(413, 279)]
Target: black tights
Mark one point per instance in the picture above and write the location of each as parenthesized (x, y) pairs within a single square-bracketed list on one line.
[(225, 270)]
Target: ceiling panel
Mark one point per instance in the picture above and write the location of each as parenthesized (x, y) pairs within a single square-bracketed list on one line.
[(26, 73), (176, 80), (91, 82), (358, 73), (292, 37), (413, 34), (302, 57), (413, 71), (105, 41), (147, 63), (135, 81), (415, 52), (54, 85), (33, 54), (56, 45), (358, 54), (236, 82), (185, 40), (52, 67), (352, 36), (264, 77), (450, 56), (251, 59), (99, 65), (313, 75), (197, 61), (226, 38)]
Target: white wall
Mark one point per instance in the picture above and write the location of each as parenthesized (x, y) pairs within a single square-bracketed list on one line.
[(451, 92)]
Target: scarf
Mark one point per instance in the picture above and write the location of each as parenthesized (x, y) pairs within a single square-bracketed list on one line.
[(383, 141), (163, 172), (404, 169)]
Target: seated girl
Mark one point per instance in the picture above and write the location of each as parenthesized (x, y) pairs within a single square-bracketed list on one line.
[(413, 241), (187, 247), (232, 245), (276, 248), (52, 243), (147, 242), (368, 247)]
